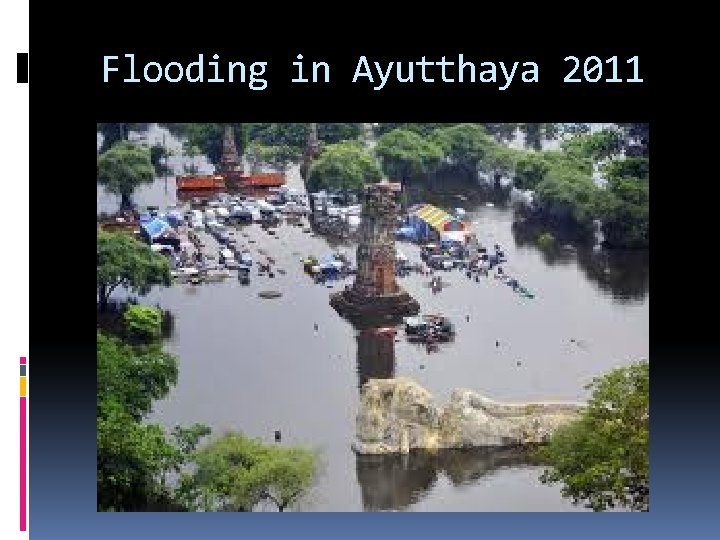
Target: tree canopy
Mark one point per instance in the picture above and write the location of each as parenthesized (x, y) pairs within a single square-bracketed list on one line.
[(235, 472), (133, 376), (122, 260), (132, 458), (278, 155), (536, 133), (405, 154), (416, 127), (602, 459), (345, 166), (597, 146), (465, 145), (208, 138), (143, 323), (630, 167), (567, 198), (530, 169), (123, 168)]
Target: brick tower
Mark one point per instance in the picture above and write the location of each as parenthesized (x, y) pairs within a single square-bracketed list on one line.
[(312, 149), (230, 161), (375, 292)]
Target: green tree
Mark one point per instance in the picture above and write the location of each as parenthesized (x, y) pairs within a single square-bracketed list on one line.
[(405, 155), (208, 138), (290, 134), (143, 323), (545, 241), (530, 169), (419, 128), (501, 160), (597, 146), (132, 458), (624, 206), (133, 376), (343, 167), (536, 133), (602, 458), (234, 472), (631, 167), (567, 198), (335, 133), (122, 260), (465, 145), (502, 132), (278, 155), (624, 209), (123, 168)]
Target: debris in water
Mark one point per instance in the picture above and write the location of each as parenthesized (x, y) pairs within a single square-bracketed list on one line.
[(269, 294)]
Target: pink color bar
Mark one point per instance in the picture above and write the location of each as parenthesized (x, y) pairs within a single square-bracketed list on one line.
[(23, 464), (23, 458)]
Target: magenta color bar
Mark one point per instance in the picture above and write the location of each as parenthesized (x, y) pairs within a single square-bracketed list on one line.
[(23, 458)]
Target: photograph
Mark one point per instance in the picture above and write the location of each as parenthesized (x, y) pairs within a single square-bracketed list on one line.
[(373, 317)]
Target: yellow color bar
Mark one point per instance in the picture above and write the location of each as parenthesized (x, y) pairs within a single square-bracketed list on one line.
[(23, 386)]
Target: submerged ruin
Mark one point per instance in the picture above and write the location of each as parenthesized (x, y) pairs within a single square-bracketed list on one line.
[(398, 415), (375, 292)]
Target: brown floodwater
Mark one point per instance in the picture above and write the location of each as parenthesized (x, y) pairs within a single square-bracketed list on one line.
[(258, 365)]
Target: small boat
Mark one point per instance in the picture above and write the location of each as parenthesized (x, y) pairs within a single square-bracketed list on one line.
[(244, 275)]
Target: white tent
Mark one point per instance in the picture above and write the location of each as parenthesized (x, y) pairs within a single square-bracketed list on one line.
[(453, 236)]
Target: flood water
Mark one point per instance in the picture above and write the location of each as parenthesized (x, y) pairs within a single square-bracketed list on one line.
[(258, 365)]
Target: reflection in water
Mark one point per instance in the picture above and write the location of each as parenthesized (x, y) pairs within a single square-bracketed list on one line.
[(622, 273), (375, 354), (395, 482)]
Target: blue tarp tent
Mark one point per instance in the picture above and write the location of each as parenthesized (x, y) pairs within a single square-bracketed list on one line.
[(154, 228), (406, 233), (157, 231)]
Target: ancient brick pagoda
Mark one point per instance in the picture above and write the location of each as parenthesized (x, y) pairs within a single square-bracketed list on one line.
[(230, 161), (312, 150), (375, 292)]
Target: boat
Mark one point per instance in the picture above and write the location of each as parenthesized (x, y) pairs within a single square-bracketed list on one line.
[(227, 256), (429, 328), (244, 275), (246, 259)]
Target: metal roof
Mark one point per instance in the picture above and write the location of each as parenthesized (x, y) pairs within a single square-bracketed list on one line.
[(436, 217)]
